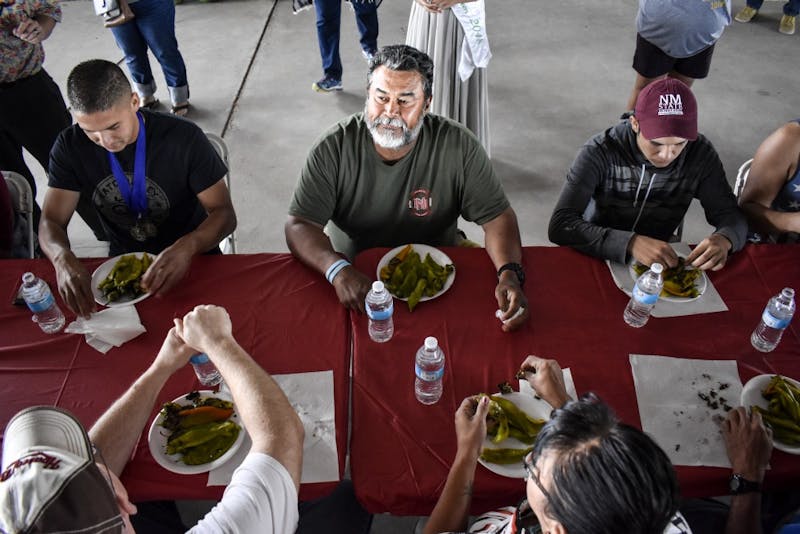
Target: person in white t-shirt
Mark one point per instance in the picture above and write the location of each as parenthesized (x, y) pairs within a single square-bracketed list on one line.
[(50, 470), (589, 473)]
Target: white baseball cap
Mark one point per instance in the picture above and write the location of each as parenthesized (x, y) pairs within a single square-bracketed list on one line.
[(49, 480)]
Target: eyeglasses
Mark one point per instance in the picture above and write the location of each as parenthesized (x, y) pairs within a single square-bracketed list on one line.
[(529, 463)]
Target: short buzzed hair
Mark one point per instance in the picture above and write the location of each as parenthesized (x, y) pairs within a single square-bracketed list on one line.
[(96, 85), (404, 58)]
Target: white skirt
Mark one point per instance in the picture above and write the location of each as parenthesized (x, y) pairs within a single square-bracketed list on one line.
[(441, 37)]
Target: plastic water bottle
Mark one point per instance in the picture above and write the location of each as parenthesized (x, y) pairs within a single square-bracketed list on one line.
[(774, 320), (380, 307), (429, 368), (644, 296), (40, 301), (206, 372)]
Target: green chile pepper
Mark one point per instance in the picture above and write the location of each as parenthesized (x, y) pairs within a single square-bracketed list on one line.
[(197, 435), (789, 401), (516, 433), (127, 269), (518, 418), (785, 437), (504, 456), (498, 421), (398, 276), (408, 285), (212, 449), (413, 299), (790, 407), (776, 421)]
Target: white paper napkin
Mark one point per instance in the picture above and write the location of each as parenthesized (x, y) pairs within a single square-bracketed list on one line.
[(682, 403), (709, 302), (569, 384), (108, 328), (311, 395)]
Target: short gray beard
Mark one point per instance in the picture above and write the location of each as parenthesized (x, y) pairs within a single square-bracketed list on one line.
[(389, 140)]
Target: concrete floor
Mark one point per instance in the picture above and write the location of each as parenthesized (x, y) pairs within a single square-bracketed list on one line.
[(560, 73)]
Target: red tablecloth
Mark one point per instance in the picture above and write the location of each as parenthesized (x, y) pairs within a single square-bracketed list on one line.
[(401, 450), (283, 314)]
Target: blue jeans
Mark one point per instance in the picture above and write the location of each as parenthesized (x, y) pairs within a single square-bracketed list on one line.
[(154, 28), (791, 8), (329, 14)]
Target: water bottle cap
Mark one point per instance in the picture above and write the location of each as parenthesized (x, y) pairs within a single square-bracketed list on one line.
[(431, 343), (199, 358), (377, 287), (657, 268), (788, 292), (27, 278)]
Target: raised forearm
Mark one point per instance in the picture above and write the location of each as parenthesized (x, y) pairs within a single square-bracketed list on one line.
[(116, 432), (269, 418), (452, 509)]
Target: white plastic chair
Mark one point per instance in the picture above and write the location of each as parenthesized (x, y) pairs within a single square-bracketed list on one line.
[(228, 245), (22, 199), (741, 177)]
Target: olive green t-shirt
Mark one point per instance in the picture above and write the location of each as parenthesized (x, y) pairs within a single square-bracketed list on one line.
[(416, 199)]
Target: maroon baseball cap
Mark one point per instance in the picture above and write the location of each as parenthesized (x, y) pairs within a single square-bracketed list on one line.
[(667, 108)]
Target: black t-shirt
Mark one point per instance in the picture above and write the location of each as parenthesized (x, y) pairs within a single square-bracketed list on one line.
[(180, 163)]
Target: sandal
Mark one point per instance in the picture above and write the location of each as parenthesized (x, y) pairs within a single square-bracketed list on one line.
[(180, 109), (148, 102)]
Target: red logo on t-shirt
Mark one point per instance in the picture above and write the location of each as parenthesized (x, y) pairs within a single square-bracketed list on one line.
[(420, 202)]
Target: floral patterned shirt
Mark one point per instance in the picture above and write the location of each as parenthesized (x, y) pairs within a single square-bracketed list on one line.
[(20, 59)]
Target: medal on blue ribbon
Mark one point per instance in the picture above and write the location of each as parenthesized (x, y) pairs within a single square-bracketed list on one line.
[(135, 196)]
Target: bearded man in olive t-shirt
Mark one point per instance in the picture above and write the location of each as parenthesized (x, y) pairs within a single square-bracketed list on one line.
[(395, 174)]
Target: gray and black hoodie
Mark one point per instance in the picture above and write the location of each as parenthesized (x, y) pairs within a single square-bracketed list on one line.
[(612, 192)]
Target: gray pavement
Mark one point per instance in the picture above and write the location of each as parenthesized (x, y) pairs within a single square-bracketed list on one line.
[(560, 73)]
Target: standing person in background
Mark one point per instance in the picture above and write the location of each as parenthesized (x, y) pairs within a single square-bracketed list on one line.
[(790, 11), (676, 38), (329, 18), (32, 111), (434, 28), (154, 27)]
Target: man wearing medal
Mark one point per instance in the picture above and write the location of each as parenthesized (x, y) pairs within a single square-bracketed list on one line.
[(155, 181)]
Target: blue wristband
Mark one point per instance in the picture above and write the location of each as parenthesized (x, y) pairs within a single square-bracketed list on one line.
[(334, 269)]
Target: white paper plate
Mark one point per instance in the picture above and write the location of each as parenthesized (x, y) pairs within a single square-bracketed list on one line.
[(438, 256), (536, 408), (101, 273), (751, 396), (701, 283), (157, 439)]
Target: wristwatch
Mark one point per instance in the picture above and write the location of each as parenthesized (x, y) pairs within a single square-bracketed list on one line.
[(518, 270), (739, 485)]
